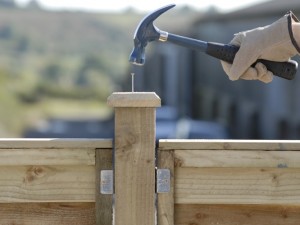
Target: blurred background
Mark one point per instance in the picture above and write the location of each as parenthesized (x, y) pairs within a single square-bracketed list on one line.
[(60, 60)]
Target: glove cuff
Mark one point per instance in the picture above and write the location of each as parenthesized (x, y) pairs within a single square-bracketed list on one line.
[(292, 18)]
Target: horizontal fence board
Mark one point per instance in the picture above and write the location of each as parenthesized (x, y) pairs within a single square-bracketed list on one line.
[(24, 157), (47, 184), (47, 214), (265, 145), (237, 186), (226, 158), (236, 214), (28, 143)]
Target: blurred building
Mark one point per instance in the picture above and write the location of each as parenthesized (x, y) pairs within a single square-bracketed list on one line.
[(196, 85), (72, 128)]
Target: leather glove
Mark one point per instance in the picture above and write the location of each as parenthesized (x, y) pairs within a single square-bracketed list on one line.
[(274, 42)]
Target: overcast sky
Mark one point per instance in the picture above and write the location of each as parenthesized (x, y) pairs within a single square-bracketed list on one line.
[(142, 5)]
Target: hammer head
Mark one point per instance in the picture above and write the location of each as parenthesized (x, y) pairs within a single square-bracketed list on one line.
[(144, 33)]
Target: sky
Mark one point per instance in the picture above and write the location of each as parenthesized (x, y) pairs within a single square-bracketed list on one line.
[(141, 5)]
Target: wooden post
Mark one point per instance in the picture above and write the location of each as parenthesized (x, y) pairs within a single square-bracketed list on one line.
[(165, 211), (103, 161), (134, 157)]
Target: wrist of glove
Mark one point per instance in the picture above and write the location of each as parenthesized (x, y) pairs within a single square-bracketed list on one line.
[(275, 42)]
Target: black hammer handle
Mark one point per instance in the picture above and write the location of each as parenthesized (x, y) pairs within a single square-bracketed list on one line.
[(225, 52)]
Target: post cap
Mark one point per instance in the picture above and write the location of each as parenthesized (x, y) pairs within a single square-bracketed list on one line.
[(134, 99)]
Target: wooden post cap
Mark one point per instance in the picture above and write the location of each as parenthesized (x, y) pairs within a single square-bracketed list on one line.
[(134, 99)]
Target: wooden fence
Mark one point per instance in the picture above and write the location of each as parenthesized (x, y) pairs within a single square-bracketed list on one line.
[(49, 181), (220, 182), (232, 182)]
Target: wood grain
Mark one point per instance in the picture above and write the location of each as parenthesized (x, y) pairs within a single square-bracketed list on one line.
[(134, 99), (47, 214), (264, 145), (237, 215), (134, 166), (104, 213), (47, 184), (165, 204), (56, 143), (236, 158), (237, 186), (27, 157), (134, 160)]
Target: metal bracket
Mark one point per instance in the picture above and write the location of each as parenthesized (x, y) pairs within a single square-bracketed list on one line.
[(107, 182), (163, 177)]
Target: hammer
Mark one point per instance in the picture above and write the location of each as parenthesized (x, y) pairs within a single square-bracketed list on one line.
[(147, 32)]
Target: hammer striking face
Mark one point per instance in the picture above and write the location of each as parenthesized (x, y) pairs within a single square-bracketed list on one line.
[(146, 32)]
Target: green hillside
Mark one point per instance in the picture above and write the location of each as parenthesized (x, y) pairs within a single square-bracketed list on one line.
[(70, 58)]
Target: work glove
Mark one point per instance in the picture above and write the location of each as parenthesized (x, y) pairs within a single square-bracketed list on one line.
[(274, 42)]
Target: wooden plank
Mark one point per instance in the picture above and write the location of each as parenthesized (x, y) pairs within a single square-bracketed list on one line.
[(166, 200), (28, 143), (134, 166), (237, 214), (266, 145), (47, 214), (47, 184), (26, 157), (237, 186), (104, 214), (134, 99), (227, 158)]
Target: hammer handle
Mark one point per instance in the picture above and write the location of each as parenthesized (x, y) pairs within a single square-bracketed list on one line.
[(225, 52)]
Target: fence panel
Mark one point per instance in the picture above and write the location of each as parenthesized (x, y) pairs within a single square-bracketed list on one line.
[(51, 181), (235, 182)]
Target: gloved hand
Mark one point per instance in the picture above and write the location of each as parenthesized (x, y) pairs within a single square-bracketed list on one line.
[(275, 42)]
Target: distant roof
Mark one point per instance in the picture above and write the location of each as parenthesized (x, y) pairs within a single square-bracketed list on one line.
[(261, 9)]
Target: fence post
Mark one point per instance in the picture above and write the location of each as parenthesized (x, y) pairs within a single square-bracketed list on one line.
[(134, 162), (165, 206), (103, 161)]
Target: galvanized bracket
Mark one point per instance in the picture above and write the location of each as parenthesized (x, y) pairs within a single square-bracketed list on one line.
[(107, 182), (163, 177)]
